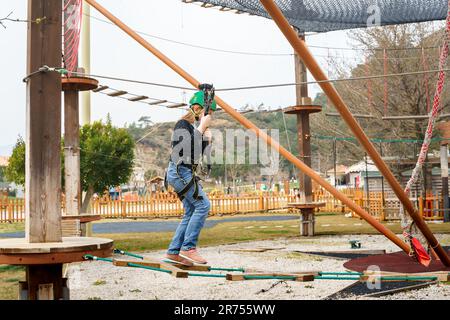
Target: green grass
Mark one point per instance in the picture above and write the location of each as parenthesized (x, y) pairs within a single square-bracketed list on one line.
[(234, 232), (224, 233), (9, 278)]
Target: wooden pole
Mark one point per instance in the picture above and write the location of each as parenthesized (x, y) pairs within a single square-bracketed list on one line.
[(312, 65), (444, 127), (248, 124), (444, 175), (43, 144), (307, 223)]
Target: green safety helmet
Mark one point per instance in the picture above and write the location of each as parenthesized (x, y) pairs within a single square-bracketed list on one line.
[(199, 98)]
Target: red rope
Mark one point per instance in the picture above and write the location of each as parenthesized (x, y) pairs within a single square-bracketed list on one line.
[(427, 89), (72, 30), (369, 85)]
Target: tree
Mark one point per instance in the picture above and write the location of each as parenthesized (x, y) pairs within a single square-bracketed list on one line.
[(15, 171), (406, 95), (107, 158)]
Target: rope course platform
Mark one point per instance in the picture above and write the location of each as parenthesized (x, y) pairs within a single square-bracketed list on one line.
[(303, 109), (417, 117), (78, 84), (357, 116)]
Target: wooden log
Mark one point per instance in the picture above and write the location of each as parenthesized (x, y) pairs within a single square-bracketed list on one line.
[(190, 268), (176, 272), (72, 153), (442, 276), (242, 277)]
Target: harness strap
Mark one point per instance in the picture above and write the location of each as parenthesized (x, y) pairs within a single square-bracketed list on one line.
[(188, 185)]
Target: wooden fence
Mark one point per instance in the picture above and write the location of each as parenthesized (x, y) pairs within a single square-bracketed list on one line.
[(167, 205), (383, 206)]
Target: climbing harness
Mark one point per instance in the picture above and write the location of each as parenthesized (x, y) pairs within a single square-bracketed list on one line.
[(209, 104), (417, 251), (45, 69), (205, 99), (433, 116)]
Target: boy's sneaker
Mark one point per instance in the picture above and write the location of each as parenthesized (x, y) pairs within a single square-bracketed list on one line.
[(193, 256), (175, 258)]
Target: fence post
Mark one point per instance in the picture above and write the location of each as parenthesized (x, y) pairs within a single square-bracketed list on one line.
[(421, 206), (123, 208)]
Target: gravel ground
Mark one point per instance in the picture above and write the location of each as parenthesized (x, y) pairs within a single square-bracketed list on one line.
[(102, 280)]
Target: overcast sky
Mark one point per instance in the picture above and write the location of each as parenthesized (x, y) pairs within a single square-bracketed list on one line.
[(116, 54)]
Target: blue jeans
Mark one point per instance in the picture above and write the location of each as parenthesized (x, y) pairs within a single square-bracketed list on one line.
[(195, 210)]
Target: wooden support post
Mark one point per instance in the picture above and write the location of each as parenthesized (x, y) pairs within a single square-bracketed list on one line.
[(307, 220), (302, 50), (176, 272), (43, 138), (43, 141), (445, 132)]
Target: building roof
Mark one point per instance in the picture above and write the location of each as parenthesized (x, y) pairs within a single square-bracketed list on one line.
[(156, 179), (361, 167)]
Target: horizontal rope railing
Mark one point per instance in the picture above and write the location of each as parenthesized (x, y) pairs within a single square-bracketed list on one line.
[(167, 205)]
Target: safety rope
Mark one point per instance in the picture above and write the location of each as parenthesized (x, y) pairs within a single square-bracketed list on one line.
[(125, 253), (338, 276), (406, 221), (369, 85), (72, 13), (386, 88), (249, 53)]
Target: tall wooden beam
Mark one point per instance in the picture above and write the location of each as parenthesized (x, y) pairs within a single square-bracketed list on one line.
[(312, 65), (72, 187), (43, 113), (303, 128)]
